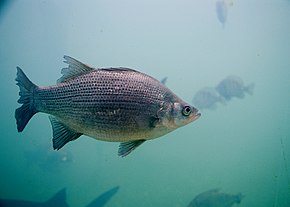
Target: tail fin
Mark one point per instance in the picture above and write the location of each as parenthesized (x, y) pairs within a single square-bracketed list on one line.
[(104, 198), (59, 199), (249, 89), (239, 198), (24, 113)]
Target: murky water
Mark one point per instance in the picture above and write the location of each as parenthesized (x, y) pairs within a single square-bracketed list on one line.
[(241, 146)]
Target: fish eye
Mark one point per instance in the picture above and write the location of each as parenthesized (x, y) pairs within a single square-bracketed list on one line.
[(186, 110)]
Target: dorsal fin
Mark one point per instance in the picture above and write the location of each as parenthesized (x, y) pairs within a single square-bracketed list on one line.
[(74, 69), (119, 69), (164, 80)]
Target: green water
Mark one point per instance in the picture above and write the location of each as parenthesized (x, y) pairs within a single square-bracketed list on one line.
[(243, 146)]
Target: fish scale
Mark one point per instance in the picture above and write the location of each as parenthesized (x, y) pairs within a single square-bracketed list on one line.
[(111, 104), (77, 99)]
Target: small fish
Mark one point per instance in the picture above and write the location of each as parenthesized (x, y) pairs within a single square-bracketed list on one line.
[(221, 11), (214, 198), (109, 104), (207, 98), (233, 86), (59, 199)]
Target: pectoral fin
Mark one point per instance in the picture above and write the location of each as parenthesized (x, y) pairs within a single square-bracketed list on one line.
[(126, 148), (61, 133)]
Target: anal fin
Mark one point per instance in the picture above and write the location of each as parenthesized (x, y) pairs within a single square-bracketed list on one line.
[(126, 148), (61, 133)]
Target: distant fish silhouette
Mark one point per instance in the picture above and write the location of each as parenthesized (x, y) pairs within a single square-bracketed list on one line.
[(221, 11), (207, 98), (59, 200), (233, 86), (214, 198), (104, 198)]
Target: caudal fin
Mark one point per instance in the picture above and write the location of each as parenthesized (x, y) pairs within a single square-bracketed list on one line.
[(250, 88), (104, 198), (24, 113), (239, 198)]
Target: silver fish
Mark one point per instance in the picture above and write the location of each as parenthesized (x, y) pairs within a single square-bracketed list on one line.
[(109, 104), (214, 198)]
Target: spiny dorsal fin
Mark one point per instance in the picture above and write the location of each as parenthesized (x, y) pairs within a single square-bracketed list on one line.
[(164, 80), (61, 133), (126, 148), (119, 69), (74, 69)]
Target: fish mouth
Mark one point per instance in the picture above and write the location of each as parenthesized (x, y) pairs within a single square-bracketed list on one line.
[(196, 115), (196, 112)]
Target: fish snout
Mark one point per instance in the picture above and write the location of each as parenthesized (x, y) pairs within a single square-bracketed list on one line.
[(195, 113)]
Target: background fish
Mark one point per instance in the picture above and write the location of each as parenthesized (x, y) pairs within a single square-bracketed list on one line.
[(233, 86), (111, 104), (214, 198), (221, 11), (59, 200), (207, 98)]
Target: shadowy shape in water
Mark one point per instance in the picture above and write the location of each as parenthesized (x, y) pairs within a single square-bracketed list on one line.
[(59, 200), (233, 86), (214, 198), (228, 88), (207, 98), (221, 11), (164, 80), (104, 198)]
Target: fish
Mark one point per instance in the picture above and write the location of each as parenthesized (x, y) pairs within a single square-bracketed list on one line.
[(233, 86), (214, 198), (59, 200), (109, 104), (207, 98), (221, 11)]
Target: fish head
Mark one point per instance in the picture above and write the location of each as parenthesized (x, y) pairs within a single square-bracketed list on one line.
[(179, 114)]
